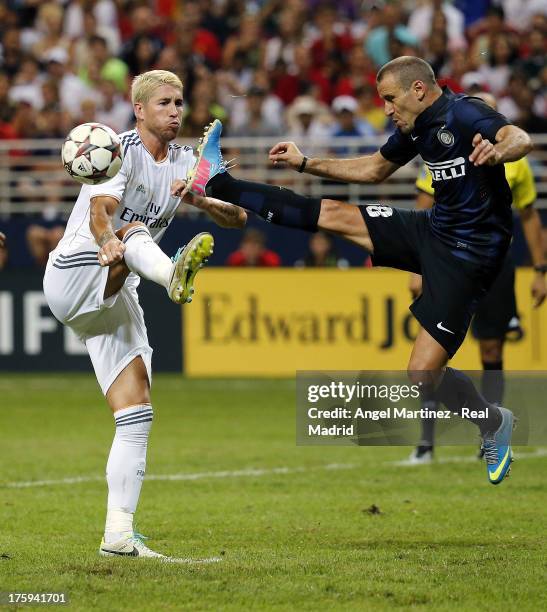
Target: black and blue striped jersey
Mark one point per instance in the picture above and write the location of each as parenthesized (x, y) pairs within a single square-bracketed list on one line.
[(472, 212)]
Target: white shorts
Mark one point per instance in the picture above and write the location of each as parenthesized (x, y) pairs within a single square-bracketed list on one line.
[(113, 330)]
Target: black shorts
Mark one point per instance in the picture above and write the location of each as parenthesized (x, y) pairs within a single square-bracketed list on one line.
[(498, 309), (452, 287)]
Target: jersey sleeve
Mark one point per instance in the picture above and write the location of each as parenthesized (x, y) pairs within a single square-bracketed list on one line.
[(399, 149), (424, 181), (115, 187), (523, 187), (473, 116)]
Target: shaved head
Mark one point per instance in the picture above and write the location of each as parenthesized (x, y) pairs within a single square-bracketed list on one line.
[(407, 70), (407, 86)]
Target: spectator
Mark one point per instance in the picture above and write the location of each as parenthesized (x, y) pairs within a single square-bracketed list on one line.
[(321, 254), (193, 42), (143, 24), (169, 59), (436, 50), (22, 124), (7, 106), (421, 22), (483, 32), (308, 121), (331, 41), (286, 86), (27, 84), (360, 72), (49, 30), (108, 67), (527, 118), (50, 93), (502, 55), (42, 238), (454, 70), (12, 54), (88, 111), (282, 46), (198, 116), (520, 13), (309, 77), (234, 83), (204, 93), (52, 123), (114, 110), (368, 111), (534, 62), (392, 29), (143, 56), (72, 90), (348, 124), (252, 252), (256, 122), (507, 105), (247, 41), (83, 19), (81, 46)]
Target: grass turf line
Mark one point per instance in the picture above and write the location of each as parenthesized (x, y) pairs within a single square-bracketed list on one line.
[(444, 538)]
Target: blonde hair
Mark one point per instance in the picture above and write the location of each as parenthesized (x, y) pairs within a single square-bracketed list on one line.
[(144, 84)]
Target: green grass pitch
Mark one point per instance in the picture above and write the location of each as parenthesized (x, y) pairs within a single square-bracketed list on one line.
[(296, 533)]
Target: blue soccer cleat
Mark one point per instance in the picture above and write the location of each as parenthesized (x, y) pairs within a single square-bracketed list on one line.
[(209, 162), (497, 448)]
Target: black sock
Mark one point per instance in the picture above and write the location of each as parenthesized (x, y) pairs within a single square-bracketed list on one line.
[(457, 390), (274, 204), (428, 425), (493, 382)]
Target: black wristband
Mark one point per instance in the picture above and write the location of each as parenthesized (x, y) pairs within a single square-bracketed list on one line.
[(303, 164), (541, 268)]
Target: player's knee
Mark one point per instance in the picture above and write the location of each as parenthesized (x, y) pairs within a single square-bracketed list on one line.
[(421, 373), (345, 220), (330, 212), (123, 230)]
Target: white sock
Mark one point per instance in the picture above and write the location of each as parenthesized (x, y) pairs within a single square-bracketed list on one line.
[(125, 469), (144, 257)]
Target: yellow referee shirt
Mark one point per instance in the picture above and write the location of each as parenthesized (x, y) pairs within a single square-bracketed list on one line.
[(518, 174)]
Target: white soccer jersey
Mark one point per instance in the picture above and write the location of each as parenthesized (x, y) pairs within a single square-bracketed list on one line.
[(142, 187)]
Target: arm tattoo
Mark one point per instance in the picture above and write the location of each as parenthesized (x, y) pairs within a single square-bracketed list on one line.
[(229, 212), (223, 213), (105, 237)]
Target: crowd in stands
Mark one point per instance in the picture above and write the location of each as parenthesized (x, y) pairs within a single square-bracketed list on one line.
[(303, 69), (265, 68)]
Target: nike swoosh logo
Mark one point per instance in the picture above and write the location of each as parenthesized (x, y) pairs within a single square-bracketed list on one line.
[(495, 475), (414, 137), (441, 327), (132, 553)]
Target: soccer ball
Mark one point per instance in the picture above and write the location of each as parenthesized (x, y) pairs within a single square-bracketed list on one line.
[(92, 153)]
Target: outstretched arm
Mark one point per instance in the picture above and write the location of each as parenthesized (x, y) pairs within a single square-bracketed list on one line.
[(373, 168), (511, 144), (222, 213)]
